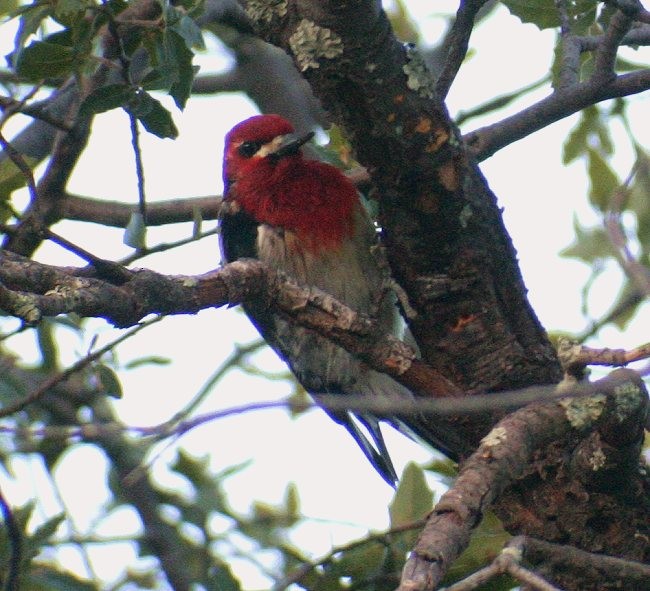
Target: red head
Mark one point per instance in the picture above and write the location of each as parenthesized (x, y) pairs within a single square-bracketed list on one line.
[(269, 178)]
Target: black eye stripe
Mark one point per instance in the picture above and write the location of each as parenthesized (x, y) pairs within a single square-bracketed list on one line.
[(249, 149)]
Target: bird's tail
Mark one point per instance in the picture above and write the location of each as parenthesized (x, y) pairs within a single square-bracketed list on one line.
[(376, 452), (436, 431)]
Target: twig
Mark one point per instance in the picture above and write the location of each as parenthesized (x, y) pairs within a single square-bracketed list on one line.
[(507, 562), (380, 537), (499, 102), (165, 246), (52, 381), (139, 168), (590, 566), (478, 404), (636, 271), (570, 50), (605, 58), (488, 140), (234, 360), (117, 214), (458, 39), (107, 269), (621, 309), (18, 160), (635, 37), (577, 355), (35, 111)]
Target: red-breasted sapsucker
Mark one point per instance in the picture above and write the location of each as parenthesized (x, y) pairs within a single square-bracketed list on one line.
[(305, 218)]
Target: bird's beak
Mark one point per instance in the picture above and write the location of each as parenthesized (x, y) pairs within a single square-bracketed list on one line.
[(291, 146)]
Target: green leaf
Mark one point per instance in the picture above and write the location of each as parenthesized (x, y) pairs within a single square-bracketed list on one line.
[(179, 65), (187, 29), (591, 130), (639, 197), (8, 7), (544, 13), (67, 11), (486, 542), (292, 501), (222, 579), (135, 234), (106, 98), (576, 143), (155, 118), (446, 468), (42, 59), (47, 345), (171, 56), (589, 245), (360, 563), (413, 498), (12, 178), (45, 577), (42, 535), (109, 381), (406, 29), (626, 305), (603, 180), (150, 360), (31, 18)]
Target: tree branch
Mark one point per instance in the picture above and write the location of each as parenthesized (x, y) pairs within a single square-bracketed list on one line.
[(503, 457), (486, 141), (593, 568), (32, 290), (605, 58), (117, 214), (458, 42)]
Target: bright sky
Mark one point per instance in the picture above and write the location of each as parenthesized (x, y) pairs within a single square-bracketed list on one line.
[(539, 197)]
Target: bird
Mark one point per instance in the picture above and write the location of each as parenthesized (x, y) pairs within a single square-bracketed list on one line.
[(306, 218)]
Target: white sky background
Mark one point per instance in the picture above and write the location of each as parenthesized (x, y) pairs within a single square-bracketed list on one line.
[(539, 197)]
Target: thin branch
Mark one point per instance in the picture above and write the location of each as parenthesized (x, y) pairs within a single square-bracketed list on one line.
[(635, 270), (499, 102), (576, 355), (478, 404), (57, 378), (117, 214), (24, 168), (458, 42), (488, 140), (105, 268), (507, 562), (38, 111), (588, 565), (605, 58), (383, 538), (165, 246), (139, 168), (637, 36), (240, 353), (569, 62)]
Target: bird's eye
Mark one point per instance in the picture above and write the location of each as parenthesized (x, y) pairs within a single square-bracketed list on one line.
[(249, 149)]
